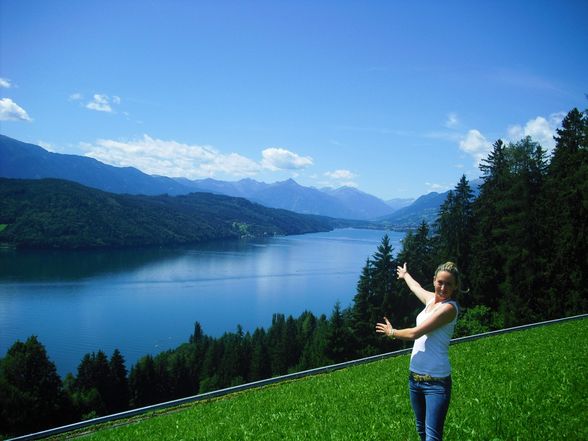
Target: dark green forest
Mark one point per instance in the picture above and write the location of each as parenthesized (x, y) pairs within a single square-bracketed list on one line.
[(52, 213), (521, 244)]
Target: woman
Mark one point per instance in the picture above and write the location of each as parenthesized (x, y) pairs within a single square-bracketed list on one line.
[(430, 371)]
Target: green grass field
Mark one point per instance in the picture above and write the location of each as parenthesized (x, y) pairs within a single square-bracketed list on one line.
[(526, 385)]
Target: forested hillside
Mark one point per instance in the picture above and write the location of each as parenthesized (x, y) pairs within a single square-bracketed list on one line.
[(61, 214), (522, 245)]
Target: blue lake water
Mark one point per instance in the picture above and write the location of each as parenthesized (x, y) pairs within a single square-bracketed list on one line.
[(144, 301)]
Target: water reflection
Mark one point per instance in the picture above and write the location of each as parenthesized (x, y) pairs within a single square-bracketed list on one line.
[(73, 265), (146, 300)]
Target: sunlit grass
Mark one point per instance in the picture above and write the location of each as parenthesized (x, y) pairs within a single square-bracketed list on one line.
[(527, 385)]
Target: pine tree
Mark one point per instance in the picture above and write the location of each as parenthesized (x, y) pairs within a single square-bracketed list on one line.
[(92, 384), (260, 367), (339, 337), (445, 227), (509, 236), (523, 251), (276, 337), (314, 351), (234, 362), (144, 382), (198, 334), (455, 230), (486, 263), (567, 198), (362, 314), (454, 224), (31, 392), (179, 382), (292, 343), (418, 252), (209, 378), (119, 393), (199, 346), (383, 278)]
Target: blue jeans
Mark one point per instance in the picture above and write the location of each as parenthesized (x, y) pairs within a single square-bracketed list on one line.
[(430, 401)]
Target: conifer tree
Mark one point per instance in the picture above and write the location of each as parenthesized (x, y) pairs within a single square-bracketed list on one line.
[(339, 336), (522, 251), (260, 366), (119, 394), (92, 385), (418, 252), (362, 314), (199, 342), (179, 382), (485, 274), (567, 199), (31, 392), (382, 279), (144, 382), (209, 378), (276, 337), (509, 237), (292, 343), (306, 327), (455, 230), (314, 352)]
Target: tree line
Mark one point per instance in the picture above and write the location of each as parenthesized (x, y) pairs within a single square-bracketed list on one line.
[(521, 245)]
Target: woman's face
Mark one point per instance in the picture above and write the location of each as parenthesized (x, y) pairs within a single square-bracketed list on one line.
[(445, 284)]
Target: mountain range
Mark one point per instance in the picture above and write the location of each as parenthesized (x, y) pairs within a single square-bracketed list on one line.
[(21, 160)]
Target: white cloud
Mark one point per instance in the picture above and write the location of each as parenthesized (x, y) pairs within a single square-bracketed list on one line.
[(171, 158), (541, 129), (452, 121), (5, 83), (281, 159), (340, 178), (476, 145), (102, 103), (437, 187), (76, 97), (340, 174), (48, 146), (10, 111)]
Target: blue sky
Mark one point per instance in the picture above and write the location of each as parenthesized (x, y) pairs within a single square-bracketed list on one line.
[(396, 98)]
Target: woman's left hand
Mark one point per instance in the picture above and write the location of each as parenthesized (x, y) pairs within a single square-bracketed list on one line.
[(384, 328)]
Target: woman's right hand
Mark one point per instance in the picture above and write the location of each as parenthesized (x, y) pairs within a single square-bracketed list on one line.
[(401, 271)]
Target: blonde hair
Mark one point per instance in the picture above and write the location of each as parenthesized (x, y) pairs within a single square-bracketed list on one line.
[(452, 269)]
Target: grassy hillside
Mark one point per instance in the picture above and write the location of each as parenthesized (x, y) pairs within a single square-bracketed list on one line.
[(51, 213), (527, 385)]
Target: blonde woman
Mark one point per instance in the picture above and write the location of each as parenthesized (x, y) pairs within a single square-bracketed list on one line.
[(430, 370)]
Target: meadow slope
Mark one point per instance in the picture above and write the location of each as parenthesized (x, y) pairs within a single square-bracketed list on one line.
[(526, 385)]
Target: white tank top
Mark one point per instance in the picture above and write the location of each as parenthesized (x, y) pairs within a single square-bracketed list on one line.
[(430, 352)]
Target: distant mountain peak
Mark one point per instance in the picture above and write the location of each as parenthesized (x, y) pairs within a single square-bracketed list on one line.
[(348, 189), (287, 183)]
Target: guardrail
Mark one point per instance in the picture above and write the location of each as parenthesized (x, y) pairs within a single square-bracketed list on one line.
[(274, 380)]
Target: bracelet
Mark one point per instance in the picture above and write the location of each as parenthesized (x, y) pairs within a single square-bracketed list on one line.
[(392, 334)]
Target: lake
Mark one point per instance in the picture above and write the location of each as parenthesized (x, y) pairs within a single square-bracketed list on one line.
[(144, 301)]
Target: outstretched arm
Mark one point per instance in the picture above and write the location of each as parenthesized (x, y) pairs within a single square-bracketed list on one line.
[(423, 295), (443, 314)]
